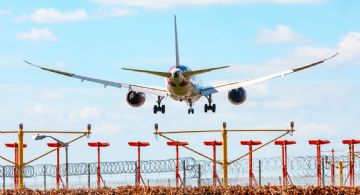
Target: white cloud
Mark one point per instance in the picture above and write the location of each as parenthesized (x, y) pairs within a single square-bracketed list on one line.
[(317, 130), (61, 64), (120, 12), (313, 52), (37, 35), (281, 34), (85, 113), (349, 46), (115, 12), (51, 15), (10, 60), (37, 109), (181, 3), (5, 13), (52, 96), (282, 104)]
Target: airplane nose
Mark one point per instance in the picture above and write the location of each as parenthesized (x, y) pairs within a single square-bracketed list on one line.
[(176, 74)]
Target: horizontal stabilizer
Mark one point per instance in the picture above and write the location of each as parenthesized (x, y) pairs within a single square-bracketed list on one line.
[(195, 72), (161, 74), (168, 74)]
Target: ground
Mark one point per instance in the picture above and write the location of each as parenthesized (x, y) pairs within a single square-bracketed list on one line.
[(198, 190)]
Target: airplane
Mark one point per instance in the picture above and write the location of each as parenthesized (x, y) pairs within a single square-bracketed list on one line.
[(182, 84)]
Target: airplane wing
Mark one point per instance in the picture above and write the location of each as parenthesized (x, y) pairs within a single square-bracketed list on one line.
[(132, 87), (234, 85)]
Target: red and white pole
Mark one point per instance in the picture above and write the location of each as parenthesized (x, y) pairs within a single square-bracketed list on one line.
[(57, 168), (332, 167), (98, 145), (318, 144), (177, 144), (57, 146), (16, 167), (284, 143), (351, 144), (213, 144), (98, 168), (138, 145), (177, 166), (283, 159), (138, 167), (250, 143)]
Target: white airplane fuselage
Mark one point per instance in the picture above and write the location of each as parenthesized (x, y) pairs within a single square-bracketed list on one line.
[(181, 88)]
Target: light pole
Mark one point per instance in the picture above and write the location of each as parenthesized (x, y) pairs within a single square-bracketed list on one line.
[(63, 144)]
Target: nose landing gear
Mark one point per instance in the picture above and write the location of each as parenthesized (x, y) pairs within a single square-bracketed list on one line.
[(209, 106), (191, 109), (159, 107)]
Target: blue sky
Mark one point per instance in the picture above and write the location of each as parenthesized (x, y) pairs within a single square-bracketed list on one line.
[(97, 38)]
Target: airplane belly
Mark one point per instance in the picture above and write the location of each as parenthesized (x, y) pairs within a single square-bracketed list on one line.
[(185, 93), (180, 91)]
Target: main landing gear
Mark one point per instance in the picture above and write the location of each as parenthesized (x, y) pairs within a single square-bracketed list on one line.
[(211, 107), (191, 109), (159, 107)]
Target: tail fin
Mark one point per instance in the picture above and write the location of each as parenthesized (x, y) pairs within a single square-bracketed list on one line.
[(176, 45)]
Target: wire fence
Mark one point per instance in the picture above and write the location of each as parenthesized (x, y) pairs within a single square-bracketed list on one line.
[(302, 170)]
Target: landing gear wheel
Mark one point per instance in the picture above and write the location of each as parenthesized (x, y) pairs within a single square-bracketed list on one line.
[(155, 109), (159, 107), (213, 108), (209, 106), (191, 111)]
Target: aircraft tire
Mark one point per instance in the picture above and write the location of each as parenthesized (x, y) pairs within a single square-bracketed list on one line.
[(213, 108), (155, 109), (163, 109)]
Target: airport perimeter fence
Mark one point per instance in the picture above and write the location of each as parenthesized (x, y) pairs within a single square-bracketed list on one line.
[(267, 171)]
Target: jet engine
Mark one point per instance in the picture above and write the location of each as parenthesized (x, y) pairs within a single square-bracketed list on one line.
[(135, 99), (237, 96)]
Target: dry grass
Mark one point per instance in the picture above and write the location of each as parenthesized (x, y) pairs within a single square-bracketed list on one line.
[(155, 190)]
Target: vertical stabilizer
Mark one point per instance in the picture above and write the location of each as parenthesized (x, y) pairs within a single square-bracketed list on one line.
[(176, 45)]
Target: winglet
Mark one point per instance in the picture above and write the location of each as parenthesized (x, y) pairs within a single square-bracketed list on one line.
[(315, 63), (31, 63), (50, 70), (176, 44), (337, 53)]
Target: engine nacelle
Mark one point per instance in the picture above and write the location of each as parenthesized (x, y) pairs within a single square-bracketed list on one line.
[(135, 99), (237, 96)]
